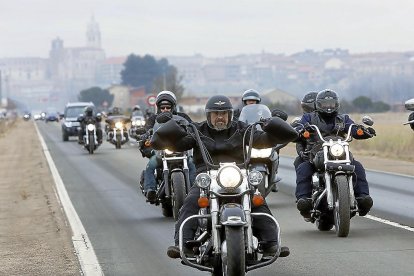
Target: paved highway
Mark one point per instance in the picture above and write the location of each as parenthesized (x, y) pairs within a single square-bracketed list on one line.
[(130, 236)]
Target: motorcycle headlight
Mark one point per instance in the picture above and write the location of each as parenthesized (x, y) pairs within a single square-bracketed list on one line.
[(229, 177), (167, 151), (118, 125), (203, 180), (336, 150), (255, 178), (91, 127), (260, 153)]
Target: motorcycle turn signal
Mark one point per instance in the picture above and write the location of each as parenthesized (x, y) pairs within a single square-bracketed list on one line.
[(203, 202), (258, 200)]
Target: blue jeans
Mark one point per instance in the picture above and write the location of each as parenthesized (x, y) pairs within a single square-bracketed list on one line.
[(150, 183), (304, 173)]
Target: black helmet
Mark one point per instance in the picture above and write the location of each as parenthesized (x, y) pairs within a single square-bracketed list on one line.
[(166, 98), (88, 111), (327, 102), (116, 111), (251, 94), (308, 102), (219, 103)]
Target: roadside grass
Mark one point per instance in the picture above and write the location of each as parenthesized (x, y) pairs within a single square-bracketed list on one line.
[(393, 140)]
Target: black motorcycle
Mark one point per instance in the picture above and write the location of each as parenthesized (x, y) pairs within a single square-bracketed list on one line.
[(173, 182), (116, 130), (90, 138), (224, 243), (333, 197)]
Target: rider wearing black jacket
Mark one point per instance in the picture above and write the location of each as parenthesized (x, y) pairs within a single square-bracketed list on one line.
[(329, 122), (89, 118), (166, 102), (223, 139)]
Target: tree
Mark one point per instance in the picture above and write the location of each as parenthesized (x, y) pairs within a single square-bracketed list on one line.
[(152, 74), (140, 71), (362, 103), (96, 95), (169, 79)]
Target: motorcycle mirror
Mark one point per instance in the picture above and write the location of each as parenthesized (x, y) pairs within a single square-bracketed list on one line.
[(80, 118), (367, 120)]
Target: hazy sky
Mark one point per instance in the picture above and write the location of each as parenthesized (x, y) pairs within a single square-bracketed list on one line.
[(210, 27)]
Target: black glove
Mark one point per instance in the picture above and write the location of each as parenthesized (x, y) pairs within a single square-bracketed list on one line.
[(279, 113), (164, 117), (371, 131)]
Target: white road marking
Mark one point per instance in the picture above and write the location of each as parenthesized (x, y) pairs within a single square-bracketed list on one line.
[(83, 246), (388, 222)]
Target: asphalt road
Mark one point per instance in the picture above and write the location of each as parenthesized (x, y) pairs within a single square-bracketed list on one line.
[(130, 236)]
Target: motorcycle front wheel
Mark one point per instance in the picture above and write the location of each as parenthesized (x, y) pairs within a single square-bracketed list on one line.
[(342, 214), (236, 258), (91, 144), (178, 192)]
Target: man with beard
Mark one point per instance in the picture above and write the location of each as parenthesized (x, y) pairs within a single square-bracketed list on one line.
[(223, 139)]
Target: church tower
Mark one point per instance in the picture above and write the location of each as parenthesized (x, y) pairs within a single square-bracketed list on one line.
[(93, 35)]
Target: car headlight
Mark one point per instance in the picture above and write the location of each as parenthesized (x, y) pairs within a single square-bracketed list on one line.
[(336, 150), (91, 127), (260, 153), (255, 178), (133, 123), (229, 177), (68, 124), (203, 180), (167, 151), (118, 125)]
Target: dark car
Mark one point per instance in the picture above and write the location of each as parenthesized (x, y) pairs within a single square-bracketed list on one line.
[(70, 124), (52, 117)]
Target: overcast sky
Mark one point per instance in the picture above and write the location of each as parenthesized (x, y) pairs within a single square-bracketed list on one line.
[(210, 27)]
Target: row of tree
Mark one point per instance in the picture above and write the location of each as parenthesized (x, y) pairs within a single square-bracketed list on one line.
[(154, 75)]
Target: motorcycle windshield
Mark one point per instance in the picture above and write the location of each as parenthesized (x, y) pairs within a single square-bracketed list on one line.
[(252, 113)]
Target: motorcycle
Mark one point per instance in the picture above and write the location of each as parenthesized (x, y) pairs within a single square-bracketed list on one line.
[(90, 138), (137, 127), (173, 182), (116, 131), (224, 243), (266, 161), (333, 198)]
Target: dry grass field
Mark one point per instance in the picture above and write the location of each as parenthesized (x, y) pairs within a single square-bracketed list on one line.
[(393, 140)]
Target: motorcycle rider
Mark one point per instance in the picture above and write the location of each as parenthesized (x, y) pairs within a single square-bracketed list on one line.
[(308, 106), (89, 118), (223, 138), (165, 102), (250, 96), (113, 116), (330, 122)]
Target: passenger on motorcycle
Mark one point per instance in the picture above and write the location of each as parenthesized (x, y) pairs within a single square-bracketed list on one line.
[(223, 139), (86, 119), (308, 106), (166, 102), (329, 122)]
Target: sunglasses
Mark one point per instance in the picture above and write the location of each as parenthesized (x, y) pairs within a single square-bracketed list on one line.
[(165, 107)]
